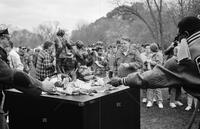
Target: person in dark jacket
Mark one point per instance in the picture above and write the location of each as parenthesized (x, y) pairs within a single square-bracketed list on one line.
[(10, 78), (62, 47)]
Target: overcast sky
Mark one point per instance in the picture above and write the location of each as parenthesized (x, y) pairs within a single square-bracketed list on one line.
[(29, 13)]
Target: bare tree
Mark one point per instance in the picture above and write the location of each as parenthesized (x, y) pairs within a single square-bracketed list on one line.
[(155, 8), (181, 8), (47, 31)]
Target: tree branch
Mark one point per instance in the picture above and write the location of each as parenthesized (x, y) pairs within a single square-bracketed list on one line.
[(158, 8), (134, 12), (153, 17)]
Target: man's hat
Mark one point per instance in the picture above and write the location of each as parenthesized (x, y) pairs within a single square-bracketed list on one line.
[(4, 32)]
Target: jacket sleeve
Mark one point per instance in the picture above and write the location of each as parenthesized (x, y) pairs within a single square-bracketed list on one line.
[(10, 78), (158, 77), (138, 63)]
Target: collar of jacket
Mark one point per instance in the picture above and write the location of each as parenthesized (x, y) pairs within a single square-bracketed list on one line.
[(193, 37)]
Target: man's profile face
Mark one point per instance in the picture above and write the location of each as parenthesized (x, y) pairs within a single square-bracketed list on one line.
[(4, 42)]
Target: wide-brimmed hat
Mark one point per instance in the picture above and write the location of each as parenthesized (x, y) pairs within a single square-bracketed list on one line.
[(4, 33)]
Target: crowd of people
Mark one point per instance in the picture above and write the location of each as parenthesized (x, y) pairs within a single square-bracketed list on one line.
[(143, 66), (113, 60), (180, 70)]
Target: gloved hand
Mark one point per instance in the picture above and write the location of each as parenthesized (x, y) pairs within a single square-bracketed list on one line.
[(115, 82)]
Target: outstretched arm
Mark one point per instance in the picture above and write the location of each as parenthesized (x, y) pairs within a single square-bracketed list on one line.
[(10, 78), (158, 77)]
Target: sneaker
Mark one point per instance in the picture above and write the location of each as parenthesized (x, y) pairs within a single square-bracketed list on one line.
[(172, 105), (149, 104), (188, 108), (160, 105), (179, 103), (144, 100)]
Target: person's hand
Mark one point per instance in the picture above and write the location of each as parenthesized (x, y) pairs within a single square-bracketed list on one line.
[(48, 86), (115, 82)]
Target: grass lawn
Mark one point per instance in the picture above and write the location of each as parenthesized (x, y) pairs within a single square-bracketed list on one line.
[(166, 118)]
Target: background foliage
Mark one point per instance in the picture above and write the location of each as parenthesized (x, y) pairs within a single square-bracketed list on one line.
[(143, 22)]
